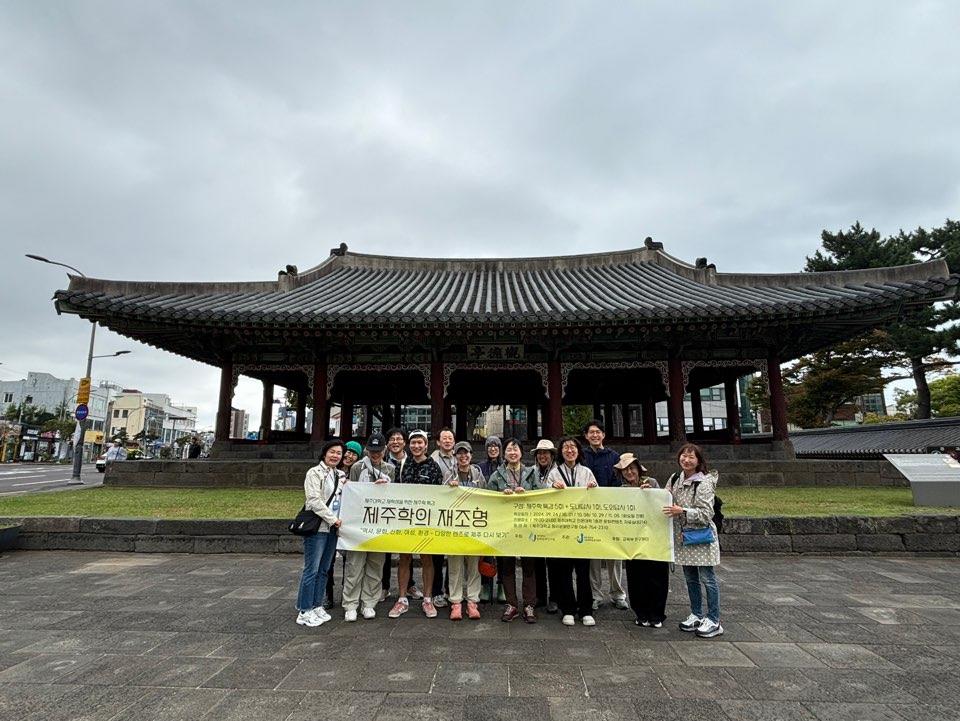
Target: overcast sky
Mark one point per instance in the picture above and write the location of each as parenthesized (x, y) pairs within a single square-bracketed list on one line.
[(223, 140)]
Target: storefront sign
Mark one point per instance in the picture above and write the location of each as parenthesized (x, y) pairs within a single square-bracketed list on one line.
[(571, 523)]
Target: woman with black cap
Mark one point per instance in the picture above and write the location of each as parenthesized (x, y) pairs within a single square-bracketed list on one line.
[(647, 581), (322, 487)]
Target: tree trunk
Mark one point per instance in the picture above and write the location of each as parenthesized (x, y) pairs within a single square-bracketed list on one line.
[(923, 390)]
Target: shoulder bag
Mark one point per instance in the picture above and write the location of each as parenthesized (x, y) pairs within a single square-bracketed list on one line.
[(307, 523)]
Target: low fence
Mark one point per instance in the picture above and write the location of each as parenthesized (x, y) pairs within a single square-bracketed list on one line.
[(926, 534)]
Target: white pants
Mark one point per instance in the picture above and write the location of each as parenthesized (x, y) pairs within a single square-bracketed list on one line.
[(362, 579), (460, 569), (614, 571)]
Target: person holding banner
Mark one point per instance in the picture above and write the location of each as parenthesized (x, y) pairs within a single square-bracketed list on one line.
[(647, 581), (321, 488), (396, 444), (514, 477), (571, 473), (419, 468), (363, 570), (545, 455), (697, 547), (445, 458), (462, 569)]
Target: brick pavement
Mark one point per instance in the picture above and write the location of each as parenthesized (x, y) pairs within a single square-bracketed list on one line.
[(128, 636)]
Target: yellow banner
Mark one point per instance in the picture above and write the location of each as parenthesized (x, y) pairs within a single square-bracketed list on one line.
[(570, 523)]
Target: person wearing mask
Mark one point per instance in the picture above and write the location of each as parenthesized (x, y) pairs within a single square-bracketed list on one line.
[(418, 468), (647, 581), (321, 487), (464, 569), (363, 570), (601, 460), (571, 473), (693, 488), (444, 457), (545, 455), (514, 477)]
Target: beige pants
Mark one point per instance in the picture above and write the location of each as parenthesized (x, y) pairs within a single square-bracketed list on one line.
[(460, 569), (614, 571), (361, 579)]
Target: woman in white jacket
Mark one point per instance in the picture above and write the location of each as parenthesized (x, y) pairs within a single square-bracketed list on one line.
[(322, 487)]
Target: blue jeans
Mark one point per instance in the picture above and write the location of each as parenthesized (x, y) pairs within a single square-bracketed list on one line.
[(318, 552), (695, 575)]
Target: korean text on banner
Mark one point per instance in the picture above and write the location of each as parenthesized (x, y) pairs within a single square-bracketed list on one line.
[(613, 523)]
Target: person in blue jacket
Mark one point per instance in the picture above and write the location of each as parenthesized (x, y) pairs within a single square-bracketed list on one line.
[(601, 460)]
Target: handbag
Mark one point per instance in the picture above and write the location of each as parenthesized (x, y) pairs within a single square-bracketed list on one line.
[(307, 523), (697, 536)]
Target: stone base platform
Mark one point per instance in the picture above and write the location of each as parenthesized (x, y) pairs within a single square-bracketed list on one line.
[(277, 473)]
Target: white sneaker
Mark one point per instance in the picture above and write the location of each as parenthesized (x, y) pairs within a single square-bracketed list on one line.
[(709, 629), (350, 615), (322, 614), (569, 620), (415, 593), (588, 621), (308, 618), (440, 601), (369, 612), (385, 595), (691, 623), (596, 604), (620, 604)]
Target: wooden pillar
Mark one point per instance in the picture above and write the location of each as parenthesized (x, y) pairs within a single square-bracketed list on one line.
[(367, 420), (678, 431), (696, 409), (224, 402), (608, 420), (553, 423), (649, 420), (321, 409), (597, 411), (387, 417), (436, 397), (398, 416), (447, 414), (778, 404), (266, 411), (346, 419), (532, 430), (625, 414), (301, 426), (733, 409)]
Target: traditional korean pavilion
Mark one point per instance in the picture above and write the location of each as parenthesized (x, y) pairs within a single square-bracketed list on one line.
[(630, 327)]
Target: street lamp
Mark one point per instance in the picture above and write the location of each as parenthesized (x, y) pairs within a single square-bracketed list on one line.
[(78, 446)]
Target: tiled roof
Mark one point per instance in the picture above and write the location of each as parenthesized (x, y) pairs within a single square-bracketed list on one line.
[(872, 441), (636, 285)]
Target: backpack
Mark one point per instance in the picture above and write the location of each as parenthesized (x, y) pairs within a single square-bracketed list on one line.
[(717, 502)]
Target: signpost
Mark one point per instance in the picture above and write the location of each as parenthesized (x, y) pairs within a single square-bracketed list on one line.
[(934, 477), (82, 411), (83, 394)]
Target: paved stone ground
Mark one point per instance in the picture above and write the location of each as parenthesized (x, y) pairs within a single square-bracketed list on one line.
[(114, 636)]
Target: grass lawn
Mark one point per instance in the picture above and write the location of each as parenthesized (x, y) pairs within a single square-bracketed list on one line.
[(284, 503)]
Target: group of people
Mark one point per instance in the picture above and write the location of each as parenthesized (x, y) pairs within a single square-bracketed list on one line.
[(564, 586)]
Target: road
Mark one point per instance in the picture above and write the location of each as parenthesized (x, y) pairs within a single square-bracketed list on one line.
[(21, 478)]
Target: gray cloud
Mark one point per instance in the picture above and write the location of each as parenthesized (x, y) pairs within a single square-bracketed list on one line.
[(176, 140)]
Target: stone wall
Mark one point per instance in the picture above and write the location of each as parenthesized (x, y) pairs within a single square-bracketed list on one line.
[(290, 473), (938, 534)]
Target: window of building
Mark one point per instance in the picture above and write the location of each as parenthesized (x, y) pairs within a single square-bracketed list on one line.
[(116, 414), (125, 414), (8, 397)]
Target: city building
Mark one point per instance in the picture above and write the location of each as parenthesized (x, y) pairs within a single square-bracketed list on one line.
[(150, 416), (239, 423)]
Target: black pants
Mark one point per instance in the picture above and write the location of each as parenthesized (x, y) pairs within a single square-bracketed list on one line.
[(387, 567), (543, 591), (439, 580), (647, 584), (561, 572)]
